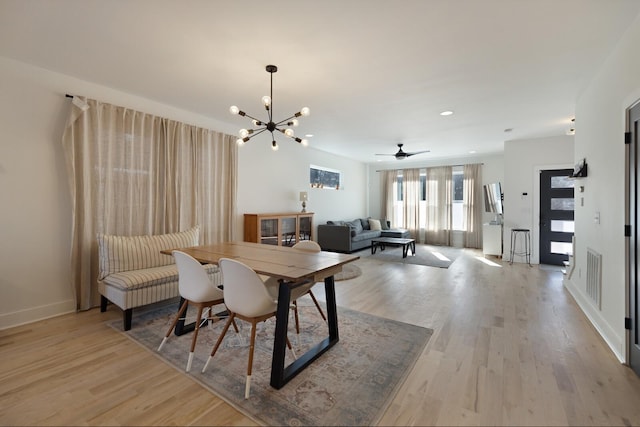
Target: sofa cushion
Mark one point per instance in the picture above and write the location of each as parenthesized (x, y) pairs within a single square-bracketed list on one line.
[(374, 224), (366, 235), (385, 224), (126, 253), (365, 223), (356, 225), (134, 279), (336, 223)]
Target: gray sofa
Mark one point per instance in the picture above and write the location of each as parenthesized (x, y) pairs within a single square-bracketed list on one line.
[(349, 236)]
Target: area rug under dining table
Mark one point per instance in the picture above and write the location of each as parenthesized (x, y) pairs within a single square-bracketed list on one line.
[(351, 384)]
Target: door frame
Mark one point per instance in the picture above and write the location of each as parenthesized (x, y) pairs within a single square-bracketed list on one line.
[(535, 231), (629, 251)]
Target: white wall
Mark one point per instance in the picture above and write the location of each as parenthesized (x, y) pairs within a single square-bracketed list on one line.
[(523, 161), (270, 182), (600, 127), (35, 217)]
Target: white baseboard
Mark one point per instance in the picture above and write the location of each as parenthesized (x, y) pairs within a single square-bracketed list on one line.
[(615, 342), (33, 314)]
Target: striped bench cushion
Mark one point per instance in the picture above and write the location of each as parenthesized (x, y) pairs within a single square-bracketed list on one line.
[(135, 279), (128, 253)]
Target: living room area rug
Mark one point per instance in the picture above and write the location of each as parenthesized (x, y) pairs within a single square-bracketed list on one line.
[(351, 384), (429, 255)]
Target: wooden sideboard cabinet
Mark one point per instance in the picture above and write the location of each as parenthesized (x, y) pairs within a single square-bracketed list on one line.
[(282, 229)]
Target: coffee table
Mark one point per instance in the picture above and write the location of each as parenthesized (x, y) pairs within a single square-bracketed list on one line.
[(406, 244)]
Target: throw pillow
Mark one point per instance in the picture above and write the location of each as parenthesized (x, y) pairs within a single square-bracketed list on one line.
[(385, 224), (357, 225), (365, 223), (374, 224)]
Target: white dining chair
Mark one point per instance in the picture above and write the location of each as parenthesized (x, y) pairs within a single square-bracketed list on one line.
[(247, 299), (273, 285), (196, 289)]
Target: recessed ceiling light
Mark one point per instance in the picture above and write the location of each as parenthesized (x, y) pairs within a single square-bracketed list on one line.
[(446, 113), (309, 135), (472, 152)]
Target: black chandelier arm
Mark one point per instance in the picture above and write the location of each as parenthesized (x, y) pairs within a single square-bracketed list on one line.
[(255, 133), (295, 138), (246, 115), (288, 118)]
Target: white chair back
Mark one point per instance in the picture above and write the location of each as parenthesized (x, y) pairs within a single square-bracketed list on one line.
[(244, 291), (193, 281), (307, 245)]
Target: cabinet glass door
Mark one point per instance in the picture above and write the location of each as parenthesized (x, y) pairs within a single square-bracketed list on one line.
[(288, 233), (269, 231), (305, 228)]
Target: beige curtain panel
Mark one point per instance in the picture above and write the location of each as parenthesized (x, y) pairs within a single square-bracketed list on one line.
[(472, 206), (439, 210), (133, 173), (411, 201), (388, 183)]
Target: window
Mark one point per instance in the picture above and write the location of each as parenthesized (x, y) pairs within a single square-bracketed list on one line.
[(457, 208)]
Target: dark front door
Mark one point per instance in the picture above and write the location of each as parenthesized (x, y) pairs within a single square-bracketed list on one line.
[(632, 261), (556, 215)]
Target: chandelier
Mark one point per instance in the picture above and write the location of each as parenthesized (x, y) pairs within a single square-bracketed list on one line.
[(283, 126)]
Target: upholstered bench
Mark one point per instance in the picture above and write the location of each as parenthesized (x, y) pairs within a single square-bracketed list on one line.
[(133, 272)]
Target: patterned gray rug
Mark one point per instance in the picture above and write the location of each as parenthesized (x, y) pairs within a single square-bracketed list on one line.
[(429, 255), (351, 384), (349, 271)]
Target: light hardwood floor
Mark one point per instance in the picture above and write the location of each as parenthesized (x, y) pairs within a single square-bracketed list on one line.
[(510, 347)]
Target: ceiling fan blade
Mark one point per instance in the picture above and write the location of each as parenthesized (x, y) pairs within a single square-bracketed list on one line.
[(385, 154), (417, 152)]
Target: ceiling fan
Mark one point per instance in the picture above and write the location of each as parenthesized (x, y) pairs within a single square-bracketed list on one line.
[(401, 155)]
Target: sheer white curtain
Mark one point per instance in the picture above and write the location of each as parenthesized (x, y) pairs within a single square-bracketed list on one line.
[(411, 201), (472, 206), (133, 173), (388, 200), (439, 198)]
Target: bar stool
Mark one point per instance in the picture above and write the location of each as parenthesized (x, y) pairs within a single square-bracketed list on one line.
[(515, 232)]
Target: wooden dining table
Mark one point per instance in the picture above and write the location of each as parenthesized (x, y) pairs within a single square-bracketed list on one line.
[(292, 268)]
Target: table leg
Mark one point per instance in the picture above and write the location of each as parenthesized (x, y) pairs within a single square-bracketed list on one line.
[(280, 375), (280, 339)]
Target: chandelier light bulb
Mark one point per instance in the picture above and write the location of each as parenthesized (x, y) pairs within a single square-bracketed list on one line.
[(304, 142), (266, 100), (243, 133), (256, 122), (305, 111), (288, 132), (274, 146), (240, 142), (234, 109)]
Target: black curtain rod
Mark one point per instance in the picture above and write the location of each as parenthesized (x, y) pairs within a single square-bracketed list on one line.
[(427, 167)]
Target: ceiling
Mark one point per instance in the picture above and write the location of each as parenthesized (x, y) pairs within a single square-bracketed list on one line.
[(374, 73)]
